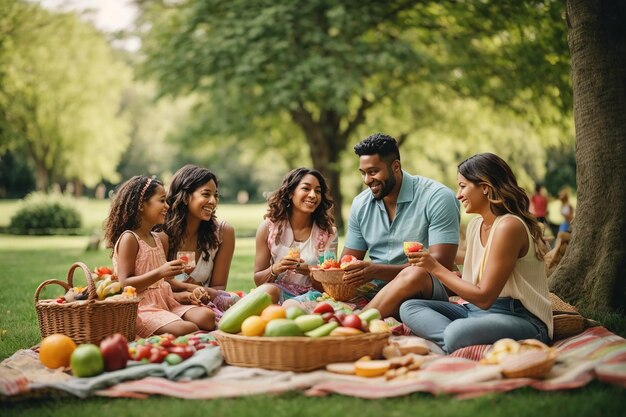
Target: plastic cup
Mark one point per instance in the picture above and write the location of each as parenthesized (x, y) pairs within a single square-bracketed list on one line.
[(409, 246), (187, 256), (294, 251)]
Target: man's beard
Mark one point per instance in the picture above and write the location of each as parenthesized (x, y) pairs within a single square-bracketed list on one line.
[(386, 187)]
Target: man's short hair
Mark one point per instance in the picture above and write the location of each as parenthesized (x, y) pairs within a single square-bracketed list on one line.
[(379, 144)]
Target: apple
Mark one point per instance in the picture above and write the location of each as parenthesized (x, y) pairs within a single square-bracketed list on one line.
[(86, 360), (347, 260), (114, 350), (352, 320), (328, 315), (340, 314), (323, 307)]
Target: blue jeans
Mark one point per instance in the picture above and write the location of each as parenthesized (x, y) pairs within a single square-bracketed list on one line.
[(453, 326)]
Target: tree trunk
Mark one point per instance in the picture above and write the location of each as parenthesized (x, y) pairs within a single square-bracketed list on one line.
[(593, 270), (325, 142), (41, 176)]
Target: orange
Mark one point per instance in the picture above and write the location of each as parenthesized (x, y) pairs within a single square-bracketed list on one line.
[(253, 326), (273, 311), (55, 351)]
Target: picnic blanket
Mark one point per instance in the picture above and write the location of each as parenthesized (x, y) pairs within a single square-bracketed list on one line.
[(596, 353)]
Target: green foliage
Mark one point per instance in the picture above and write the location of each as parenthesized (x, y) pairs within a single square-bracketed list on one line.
[(323, 74), (60, 87), (16, 177), (46, 214)]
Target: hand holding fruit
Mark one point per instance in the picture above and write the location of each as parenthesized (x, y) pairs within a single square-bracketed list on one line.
[(358, 272), (422, 259)]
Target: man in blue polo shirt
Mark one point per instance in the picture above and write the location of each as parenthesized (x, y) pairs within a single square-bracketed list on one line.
[(397, 207)]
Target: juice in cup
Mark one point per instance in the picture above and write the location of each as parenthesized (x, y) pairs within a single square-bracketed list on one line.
[(187, 256), (410, 246), (294, 251)]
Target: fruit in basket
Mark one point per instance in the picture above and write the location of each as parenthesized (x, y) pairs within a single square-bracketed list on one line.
[(323, 307), (272, 312), (87, 360), (379, 326), (352, 320), (253, 326), (330, 264), (115, 352), (282, 327), (323, 330), (369, 315), (345, 331), (292, 312), (250, 305), (55, 351), (347, 260), (309, 322)]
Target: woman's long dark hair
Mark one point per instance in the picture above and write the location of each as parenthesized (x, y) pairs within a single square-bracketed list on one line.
[(505, 196), (124, 213), (280, 207), (184, 182)]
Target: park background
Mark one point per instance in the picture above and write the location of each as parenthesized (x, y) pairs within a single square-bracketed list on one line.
[(251, 89)]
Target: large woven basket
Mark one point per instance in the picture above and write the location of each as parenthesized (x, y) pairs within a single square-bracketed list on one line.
[(332, 282), (566, 319), (299, 354), (86, 321)]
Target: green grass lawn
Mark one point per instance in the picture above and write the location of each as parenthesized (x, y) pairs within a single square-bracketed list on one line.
[(28, 261)]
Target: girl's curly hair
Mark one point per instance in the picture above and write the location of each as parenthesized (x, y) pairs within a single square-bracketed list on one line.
[(280, 207), (124, 213), (504, 195), (184, 182)]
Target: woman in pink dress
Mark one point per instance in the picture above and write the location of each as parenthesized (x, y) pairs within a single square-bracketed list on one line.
[(139, 260)]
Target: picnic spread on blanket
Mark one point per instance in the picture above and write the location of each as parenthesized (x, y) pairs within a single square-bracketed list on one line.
[(319, 348)]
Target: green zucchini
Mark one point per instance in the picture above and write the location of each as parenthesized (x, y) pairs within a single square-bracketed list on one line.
[(250, 305)]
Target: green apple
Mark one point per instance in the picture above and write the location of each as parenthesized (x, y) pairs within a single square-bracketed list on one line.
[(294, 311), (87, 360)]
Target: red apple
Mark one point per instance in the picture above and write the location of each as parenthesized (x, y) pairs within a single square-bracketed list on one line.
[(352, 320), (114, 351), (323, 307), (328, 315)]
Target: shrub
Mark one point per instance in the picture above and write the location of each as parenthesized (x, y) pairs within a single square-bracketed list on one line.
[(46, 214)]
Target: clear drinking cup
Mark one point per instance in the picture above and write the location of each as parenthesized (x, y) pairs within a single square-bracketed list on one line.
[(187, 256)]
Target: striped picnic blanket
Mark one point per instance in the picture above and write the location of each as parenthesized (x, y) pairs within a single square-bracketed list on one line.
[(596, 353), (593, 354)]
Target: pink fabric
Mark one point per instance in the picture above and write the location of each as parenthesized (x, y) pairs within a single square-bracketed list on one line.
[(157, 306), (596, 353)]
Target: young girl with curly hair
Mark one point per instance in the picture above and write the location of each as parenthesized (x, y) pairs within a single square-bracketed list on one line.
[(299, 214), (139, 260)]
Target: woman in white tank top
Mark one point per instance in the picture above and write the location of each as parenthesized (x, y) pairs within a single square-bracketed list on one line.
[(191, 225), (504, 288)]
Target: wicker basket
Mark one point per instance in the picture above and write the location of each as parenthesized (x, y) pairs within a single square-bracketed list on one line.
[(566, 319), (299, 354), (87, 321), (332, 282)]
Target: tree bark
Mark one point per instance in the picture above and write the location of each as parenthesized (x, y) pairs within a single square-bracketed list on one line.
[(325, 144), (592, 272)]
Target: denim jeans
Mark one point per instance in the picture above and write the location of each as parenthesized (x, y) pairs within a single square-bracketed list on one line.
[(453, 326)]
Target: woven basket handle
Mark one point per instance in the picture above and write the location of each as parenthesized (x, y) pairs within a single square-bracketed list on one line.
[(48, 282), (91, 287)]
